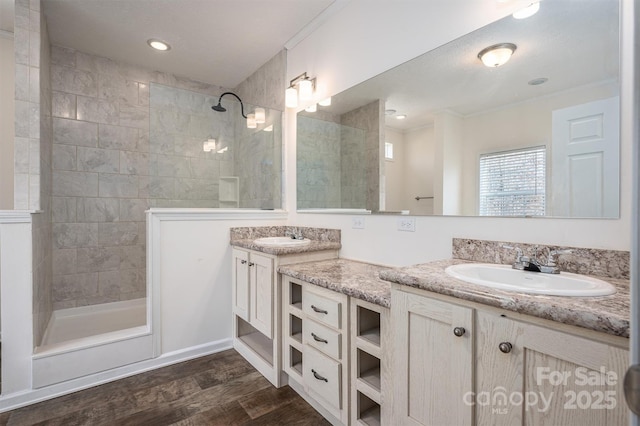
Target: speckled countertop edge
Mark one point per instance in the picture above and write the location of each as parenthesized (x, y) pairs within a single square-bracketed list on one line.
[(608, 314), (279, 251), (356, 279)]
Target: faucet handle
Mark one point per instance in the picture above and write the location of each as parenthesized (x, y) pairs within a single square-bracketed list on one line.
[(518, 251), (551, 260)]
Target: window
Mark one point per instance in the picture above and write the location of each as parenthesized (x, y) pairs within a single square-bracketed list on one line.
[(512, 183), (388, 151)]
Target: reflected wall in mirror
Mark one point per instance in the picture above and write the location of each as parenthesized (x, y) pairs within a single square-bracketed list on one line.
[(538, 136)]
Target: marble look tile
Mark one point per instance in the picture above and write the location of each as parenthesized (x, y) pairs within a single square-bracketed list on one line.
[(34, 120), (34, 156), (34, 84), (607, 314), (98, 160), (97, 110), (143, 94), (133, 210), (157, 187), (34, 19), (63, 56), (98, 259), (98, 210), (96, 64), (74, 286), (63, 105), (72, 132), (34, 48), (117, 137), (134, 116), (117, 234), (63, 209), (74, 81), (21, 155), (116, 88), (22, 111), (21, 191), (118, 186), (134, 163), (64, 261), (203, 168), (196, 189), (64, 157), (21, 82), (75, 184), (133, 257), (75, 235), (21, 17), (170, 165), (113, 283), (21, 45), (34, 192)]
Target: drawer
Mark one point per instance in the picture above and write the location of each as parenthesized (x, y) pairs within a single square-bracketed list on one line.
[(322, 338), (322, 309), (322, 376)]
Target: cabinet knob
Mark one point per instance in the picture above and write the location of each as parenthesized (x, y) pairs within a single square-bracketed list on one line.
[(251, 263), (459, 331), (505, 347)]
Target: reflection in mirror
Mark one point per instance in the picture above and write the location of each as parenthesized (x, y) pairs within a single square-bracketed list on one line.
[(537, 136), (203, 158)]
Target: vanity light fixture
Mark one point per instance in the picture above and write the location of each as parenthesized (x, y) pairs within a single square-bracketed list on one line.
[(528, 11), (496, 55), (401, 117), (252, 119), (269, 128), (158, 44), (325, 102), (301, 87)]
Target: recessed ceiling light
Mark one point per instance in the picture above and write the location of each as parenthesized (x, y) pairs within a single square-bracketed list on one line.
[(528, 11), (401, 117), (537, 81), (158, 44)]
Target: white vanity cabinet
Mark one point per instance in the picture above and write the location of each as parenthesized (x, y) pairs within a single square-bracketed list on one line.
[(432, 359), (257, 307), (316, 346), (462, 363), (562, 378)]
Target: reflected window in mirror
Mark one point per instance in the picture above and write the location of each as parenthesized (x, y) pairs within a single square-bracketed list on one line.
[(388, 151), (513, 183)]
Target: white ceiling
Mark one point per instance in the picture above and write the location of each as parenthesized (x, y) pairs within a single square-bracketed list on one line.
[(572, 43), (220, 42)]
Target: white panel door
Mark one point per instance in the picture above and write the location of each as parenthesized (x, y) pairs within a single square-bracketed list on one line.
[(585, 177)]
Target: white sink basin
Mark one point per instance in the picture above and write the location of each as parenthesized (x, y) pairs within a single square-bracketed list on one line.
[(281, 242), (503, 277)]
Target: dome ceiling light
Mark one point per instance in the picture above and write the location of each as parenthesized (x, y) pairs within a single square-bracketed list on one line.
[(496, 55)]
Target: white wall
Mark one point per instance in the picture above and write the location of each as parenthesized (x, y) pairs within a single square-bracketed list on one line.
[(400, 31), (419, 169), (394, 177), (7, 102)]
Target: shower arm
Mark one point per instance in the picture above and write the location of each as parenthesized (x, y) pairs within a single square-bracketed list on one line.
[(239, 100)]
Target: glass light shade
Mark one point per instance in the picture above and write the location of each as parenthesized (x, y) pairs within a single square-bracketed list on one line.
[(291, 97), (325, 102), (312, 108), (306, 89), (496, 55), (209, 145), (528, 11), (268, 128), (251, 121), (158, 44), (260, 115)]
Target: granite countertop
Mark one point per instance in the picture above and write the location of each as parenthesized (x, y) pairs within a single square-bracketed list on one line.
[(608, 314), (314, 245), (355, 279)]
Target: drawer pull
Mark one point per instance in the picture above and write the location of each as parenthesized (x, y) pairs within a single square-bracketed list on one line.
[(318, 339), (318, 310), (319, 377)]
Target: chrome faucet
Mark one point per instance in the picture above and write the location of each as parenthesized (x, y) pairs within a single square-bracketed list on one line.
[(297, 235), (533, 264)]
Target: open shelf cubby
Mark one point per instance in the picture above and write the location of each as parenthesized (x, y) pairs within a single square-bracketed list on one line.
[(369, 369), (295, 295), (256, 341), (296, 360), (369, 325), (296, 328), (368, 410)]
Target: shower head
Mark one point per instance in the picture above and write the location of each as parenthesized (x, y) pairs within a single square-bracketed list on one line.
[(220, 108)]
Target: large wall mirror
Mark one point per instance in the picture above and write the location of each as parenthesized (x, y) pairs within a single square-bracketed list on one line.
[(444, 134)]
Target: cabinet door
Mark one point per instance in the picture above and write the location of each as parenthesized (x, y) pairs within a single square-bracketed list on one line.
[(547, 376), (261, 284), (432, 366), (240, 278)]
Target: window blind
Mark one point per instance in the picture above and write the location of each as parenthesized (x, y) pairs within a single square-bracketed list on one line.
[(512, 183)]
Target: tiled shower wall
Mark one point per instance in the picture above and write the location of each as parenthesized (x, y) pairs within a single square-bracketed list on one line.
[(32, 148), (105, 171)]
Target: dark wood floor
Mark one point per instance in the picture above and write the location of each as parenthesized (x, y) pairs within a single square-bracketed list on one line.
[(220, 389)]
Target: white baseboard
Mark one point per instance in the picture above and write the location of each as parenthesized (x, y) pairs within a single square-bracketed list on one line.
[(21, 399)]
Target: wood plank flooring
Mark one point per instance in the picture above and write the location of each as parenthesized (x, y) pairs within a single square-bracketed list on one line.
[(220, 389)]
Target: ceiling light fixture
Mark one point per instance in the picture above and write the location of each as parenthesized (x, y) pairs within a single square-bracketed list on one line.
[(537, 81), (158, 44), (528, 11), (496, 55), (401, 117)]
